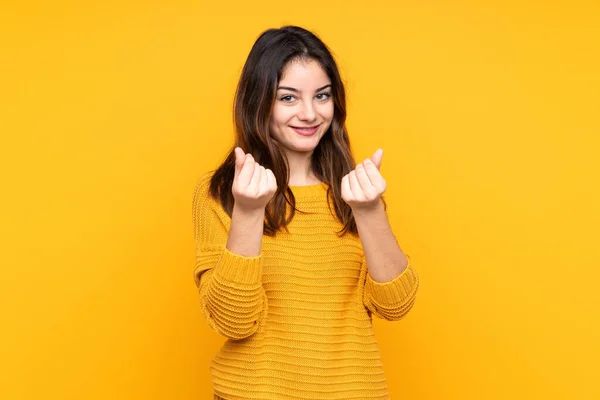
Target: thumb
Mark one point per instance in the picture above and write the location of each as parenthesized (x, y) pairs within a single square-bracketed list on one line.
[(240, 157), (377, 157)]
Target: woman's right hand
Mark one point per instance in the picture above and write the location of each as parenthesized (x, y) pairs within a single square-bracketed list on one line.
[(253, 185)]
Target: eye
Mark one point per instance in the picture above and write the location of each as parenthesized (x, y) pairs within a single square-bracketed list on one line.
[(323, 96), (287, 98)]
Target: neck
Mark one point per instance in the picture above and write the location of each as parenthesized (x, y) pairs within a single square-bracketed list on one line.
[(301, 173)]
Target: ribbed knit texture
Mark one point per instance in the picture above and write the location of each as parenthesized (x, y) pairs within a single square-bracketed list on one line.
[(298, 317)]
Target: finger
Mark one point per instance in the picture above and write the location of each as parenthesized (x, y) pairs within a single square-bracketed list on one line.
[(355, 186), (255, 181), (239, 160), (371, 170), (346, 191), (247, 171), (271, 181), (377, 158), (363, 178), (263, 183)]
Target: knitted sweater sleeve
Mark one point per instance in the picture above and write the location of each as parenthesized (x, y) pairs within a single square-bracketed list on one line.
[(391, 300), (232, 297)]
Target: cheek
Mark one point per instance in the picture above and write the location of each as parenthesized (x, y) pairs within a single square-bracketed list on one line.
[(281, 115), (327, 111)]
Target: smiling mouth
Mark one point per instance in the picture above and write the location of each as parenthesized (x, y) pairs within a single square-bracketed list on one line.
[(308, 128), (306, 131)]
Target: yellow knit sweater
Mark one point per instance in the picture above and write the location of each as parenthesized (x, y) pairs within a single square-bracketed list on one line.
[(298, 316)]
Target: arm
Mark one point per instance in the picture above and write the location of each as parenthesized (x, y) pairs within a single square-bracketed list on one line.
[(228, 268), (391, 282), (381, 249), (245, 234)]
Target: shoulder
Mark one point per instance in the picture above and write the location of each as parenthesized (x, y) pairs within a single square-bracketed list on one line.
[(202, 188), (201, 197), (202, 202), (203, 183), (206, 211)]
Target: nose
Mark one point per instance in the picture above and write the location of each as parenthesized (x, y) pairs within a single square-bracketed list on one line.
[(307, 112)]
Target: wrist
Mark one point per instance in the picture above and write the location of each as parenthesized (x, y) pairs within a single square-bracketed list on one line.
[(246, 212), (368, 210)]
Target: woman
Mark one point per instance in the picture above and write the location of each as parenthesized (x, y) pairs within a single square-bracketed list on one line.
[(294, 252)]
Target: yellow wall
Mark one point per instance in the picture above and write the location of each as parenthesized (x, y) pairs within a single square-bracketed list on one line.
[(488, 112)]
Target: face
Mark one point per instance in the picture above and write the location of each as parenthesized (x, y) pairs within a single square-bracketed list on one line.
[(303, 107)]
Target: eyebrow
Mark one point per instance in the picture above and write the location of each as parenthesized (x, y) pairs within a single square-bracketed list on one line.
[(297, 91)]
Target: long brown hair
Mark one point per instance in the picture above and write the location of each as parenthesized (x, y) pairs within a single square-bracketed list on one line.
[(254, 99)]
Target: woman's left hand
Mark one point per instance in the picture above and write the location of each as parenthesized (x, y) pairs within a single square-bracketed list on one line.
[(362, 188)]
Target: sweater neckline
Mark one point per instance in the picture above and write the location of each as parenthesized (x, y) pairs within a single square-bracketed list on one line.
[(308, 189)]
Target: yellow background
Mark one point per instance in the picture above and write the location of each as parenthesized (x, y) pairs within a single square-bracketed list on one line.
[(489, 116)]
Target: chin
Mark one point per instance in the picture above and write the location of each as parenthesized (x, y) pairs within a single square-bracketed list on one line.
[(305, 147)]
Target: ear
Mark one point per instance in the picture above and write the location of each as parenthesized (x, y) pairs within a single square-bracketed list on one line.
[(377, 157)]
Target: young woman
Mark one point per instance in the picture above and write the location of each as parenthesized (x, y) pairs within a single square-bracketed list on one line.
[(294, 252)]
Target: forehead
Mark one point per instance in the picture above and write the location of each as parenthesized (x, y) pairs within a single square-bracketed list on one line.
[(304, 73)]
